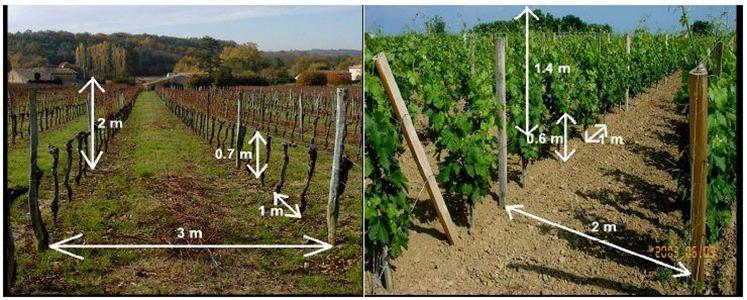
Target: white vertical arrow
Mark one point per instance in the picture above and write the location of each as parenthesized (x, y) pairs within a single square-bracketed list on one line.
[(566, 155), (526, 13), (683, 271), (94, 158), (257, 139)]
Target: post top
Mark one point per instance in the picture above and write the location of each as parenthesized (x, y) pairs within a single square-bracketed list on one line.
[(699, 70)]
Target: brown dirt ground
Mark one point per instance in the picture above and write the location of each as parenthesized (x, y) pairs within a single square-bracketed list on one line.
[(631, 185)]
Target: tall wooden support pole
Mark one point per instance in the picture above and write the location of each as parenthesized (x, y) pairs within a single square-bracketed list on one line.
[(413, 142), (627, 54), (239, 131), (698, 94), (500, 94), (42, 237), (332, 205), (718, 53)]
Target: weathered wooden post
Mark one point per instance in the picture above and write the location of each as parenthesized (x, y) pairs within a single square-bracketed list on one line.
[(718, 53), (42, 237), (627, 54), (300, 116), (332, 205), (240, 131), (500, 93), (68, 168), (698, 94), (81, 165), (413, 142), (268, 153)]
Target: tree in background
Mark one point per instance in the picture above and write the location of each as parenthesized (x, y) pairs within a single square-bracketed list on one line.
[(207, 55), (242, 58), (318, 65), (301, 64), (103, 61), (546, 22), (113, 55), (18, 60), (703, 28), (187, 64), (80, 59), (435, 25), (344, 63), (312, 78)]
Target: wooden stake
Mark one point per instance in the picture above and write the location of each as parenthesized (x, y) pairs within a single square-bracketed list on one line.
[(332, 205), (500, 94), (698, 94), (268, 151), (68, 168), (239, 132), (718, 53), (42, 237), (627, 53), (413, 142)]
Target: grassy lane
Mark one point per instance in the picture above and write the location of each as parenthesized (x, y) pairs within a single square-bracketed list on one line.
[(18, 153), (159, 177)]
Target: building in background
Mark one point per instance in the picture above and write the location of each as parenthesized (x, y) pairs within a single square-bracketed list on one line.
[(66, 76), (355, 72)]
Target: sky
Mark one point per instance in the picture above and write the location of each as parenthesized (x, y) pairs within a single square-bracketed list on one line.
[(623, 19), (270, 27)]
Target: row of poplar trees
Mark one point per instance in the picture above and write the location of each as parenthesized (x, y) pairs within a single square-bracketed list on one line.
[(103, 61)]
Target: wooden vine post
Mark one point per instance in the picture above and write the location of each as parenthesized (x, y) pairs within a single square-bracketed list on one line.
[(240, 131), (333, 209), (718, 53), (500, 94), (68, 168), (42, 237), (413, 142), (627, 54), (698, 94)]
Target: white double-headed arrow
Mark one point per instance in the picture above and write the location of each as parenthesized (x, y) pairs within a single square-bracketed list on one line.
[(526, 13), (566, 155), (257, 139), (320, 246), (92, 159), (682, 270), (295, 213), (597, 137)]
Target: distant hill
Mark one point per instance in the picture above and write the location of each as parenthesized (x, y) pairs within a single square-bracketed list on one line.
[(147, 54)]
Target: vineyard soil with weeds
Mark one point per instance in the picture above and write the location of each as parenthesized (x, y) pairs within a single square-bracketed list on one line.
[(632, 186), (157, 176)]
